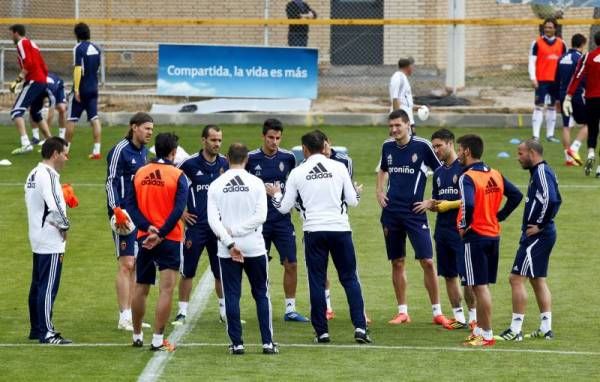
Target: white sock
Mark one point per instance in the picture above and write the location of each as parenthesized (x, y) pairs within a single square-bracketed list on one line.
[(546, 321), (536, 121), (459, 314), (125, 315), (487, 334), (516, 325), (157, 340), (328, 299), (35, 132), (25, 140), (61, 132), (436, 309), (575, 145), (550, 121), (183, 307), (567, 157), (138, 337), (222, 307), (477, 331), (472, 314), (290, 305), (96, 149), (591, 153), (403, 309)]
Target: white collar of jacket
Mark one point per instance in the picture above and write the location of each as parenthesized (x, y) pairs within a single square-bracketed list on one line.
[(315, 157), (52, 170)]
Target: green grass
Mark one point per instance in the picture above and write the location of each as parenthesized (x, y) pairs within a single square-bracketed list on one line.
[(86, 309)]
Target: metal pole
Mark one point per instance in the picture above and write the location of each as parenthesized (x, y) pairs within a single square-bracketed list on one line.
[(266, 29), (2, 67), (76, 9), (455, 68), (102, 68)]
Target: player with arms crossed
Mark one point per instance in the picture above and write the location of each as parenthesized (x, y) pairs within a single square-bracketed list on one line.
[(123, 161), (537, 240), (202, 169), (544, 54), (401, 180), (566, 68), (273, 164), (237, 209), (323, 190), (448, 245), (482, 190), (85, 87)]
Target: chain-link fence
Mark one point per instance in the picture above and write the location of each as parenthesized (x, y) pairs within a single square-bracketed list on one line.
[(354, 60)]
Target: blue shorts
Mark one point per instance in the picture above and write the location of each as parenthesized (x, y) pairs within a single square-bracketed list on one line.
[(578, 116), (167, 255), (395, 229), (89, 104), (450, 254), (125, 245), (533, 255), (281, 234), (481, 261), (546, 93), (57, 95), (196, 240), (31, 97)]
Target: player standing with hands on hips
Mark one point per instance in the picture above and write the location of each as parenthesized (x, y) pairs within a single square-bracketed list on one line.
[(323, 189)]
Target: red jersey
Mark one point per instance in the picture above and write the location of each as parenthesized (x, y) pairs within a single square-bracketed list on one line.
[(32, 61), (588, 68)]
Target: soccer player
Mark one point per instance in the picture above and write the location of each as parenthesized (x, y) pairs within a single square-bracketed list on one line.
[(123, 161), (273, 164), (237, 209), (85, 87), (405, 160), (156, 204), (400, 91), (482, 189), (448, 245), (323, 190), (58, 102), (566, 67), (34, 72), (344, 159), (202, 169), (543, 60), (588, 68), (48, 226), (537, 240)]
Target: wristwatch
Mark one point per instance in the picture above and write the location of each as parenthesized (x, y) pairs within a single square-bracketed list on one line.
[(231, 245)]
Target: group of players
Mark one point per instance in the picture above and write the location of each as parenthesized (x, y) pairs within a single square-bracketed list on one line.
[(568, 81), (466, 196), (36, 86)]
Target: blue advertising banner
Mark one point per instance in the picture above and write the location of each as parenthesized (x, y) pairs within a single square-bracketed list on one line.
[(237, 71)]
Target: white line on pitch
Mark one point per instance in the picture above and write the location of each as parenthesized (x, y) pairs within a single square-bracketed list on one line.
[(333, 346), (157, 363), (523, 186)]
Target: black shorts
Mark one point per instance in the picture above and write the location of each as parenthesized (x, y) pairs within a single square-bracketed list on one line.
[(167, 255)]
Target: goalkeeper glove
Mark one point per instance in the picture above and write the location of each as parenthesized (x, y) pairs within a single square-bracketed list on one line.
[(121, 217), (567, 106), (15, 84), (446, 205), (70, 197)]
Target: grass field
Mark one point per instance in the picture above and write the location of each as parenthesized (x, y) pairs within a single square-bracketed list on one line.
[(86, 309)]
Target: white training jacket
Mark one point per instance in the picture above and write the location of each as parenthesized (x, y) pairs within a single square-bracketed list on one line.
[(400, 88), (237, 209), (46, 210), (323, 189)]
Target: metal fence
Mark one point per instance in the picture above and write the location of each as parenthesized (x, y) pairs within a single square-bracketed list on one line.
[(354, 59)]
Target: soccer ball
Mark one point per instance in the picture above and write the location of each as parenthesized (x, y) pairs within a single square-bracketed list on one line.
[(423, 113), (122, 231)]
